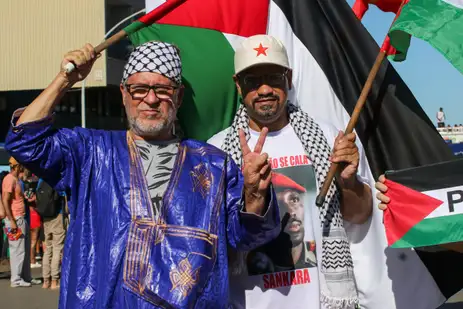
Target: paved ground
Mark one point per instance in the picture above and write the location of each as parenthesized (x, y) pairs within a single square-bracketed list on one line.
[(28, 298), (37, 298)]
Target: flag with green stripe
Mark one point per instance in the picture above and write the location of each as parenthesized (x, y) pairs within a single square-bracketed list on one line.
[(329, 70), (439, 22), (206, 41), (426, 205)]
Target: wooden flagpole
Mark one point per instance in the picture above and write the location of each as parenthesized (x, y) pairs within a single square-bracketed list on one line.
[(358, 108), (156, 14), (352, 123)]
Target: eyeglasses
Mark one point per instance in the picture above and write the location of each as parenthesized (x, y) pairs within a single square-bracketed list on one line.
[(274, 80), (140, 91)]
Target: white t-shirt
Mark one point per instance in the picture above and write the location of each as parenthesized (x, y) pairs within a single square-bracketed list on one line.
[(284, 273), (440, 116)]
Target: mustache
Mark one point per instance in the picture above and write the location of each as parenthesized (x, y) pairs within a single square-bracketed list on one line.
[(291, 220), (275, 97)]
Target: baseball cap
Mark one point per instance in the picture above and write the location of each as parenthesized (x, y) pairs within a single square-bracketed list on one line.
[(260, 49)]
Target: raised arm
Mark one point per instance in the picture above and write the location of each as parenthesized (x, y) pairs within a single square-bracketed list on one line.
[(253, 215), (54, 155), (44, 104)]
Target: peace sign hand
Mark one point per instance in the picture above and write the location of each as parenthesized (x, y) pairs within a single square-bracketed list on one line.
[(257, 173)]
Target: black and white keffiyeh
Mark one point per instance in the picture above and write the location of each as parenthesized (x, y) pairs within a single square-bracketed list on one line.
[(157, 57), (337, 283)]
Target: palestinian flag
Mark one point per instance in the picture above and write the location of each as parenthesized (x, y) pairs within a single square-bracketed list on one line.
[(206, 31), (439, 22), (426, 205), (331, 54), (360, 7)]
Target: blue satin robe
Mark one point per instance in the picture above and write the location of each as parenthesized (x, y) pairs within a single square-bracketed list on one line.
[(117, 255)]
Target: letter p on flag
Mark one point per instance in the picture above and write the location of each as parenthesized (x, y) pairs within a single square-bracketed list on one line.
[(426, 205)]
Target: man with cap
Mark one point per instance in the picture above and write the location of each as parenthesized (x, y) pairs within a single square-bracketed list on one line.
[(306, 147), (17, 227), (152, 214)]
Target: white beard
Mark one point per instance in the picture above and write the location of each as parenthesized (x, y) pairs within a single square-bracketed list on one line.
[(143, 129)]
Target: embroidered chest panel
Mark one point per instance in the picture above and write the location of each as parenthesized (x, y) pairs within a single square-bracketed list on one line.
[(170, 257)]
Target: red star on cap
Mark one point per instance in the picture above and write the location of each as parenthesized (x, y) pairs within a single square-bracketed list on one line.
[(261, 50)]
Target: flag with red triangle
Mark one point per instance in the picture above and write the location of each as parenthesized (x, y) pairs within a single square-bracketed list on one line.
[(426, 206), (331, 55)]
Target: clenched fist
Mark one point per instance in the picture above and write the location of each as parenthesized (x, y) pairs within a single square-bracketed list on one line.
[(83, 59), (345, 151)]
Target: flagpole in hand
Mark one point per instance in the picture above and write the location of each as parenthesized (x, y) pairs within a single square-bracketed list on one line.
[(352, 123), (385, 48), (144, 21)]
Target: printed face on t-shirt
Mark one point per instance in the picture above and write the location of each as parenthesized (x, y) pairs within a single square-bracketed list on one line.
[(291, 206), (293, 248)]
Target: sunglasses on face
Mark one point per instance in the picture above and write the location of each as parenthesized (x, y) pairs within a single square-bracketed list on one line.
[(252, 82), (141, 91)]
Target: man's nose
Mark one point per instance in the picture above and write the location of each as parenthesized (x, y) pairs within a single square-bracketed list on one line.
[(151, 97), (265, 89)]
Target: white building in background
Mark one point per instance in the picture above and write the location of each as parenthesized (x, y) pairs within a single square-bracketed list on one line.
[(453, 134), (36, 35)]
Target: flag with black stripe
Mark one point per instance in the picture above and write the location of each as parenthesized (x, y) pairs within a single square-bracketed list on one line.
[(331, 54)]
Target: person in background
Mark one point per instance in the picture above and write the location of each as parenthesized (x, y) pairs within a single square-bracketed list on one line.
[(17, 227), (3, 239), (40, 246), (440, 118), (29, 184), (2, 216), (51, 205)]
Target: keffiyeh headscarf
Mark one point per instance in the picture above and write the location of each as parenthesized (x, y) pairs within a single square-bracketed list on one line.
[(337, 284), (156, 57)]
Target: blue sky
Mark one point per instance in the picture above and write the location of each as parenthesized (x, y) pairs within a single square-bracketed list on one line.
[(432, 79)]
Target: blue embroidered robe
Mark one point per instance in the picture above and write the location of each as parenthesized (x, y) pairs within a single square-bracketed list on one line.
[(117, 255)]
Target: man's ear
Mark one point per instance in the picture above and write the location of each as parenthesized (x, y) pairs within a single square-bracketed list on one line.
[(290, 79), (180, 94), (236, 80), (122, 88)]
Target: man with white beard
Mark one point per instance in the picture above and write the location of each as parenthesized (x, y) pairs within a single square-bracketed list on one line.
[(152, 214)]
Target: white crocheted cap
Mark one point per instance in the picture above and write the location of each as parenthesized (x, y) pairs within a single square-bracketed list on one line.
[(156, 57), (260, 49)]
